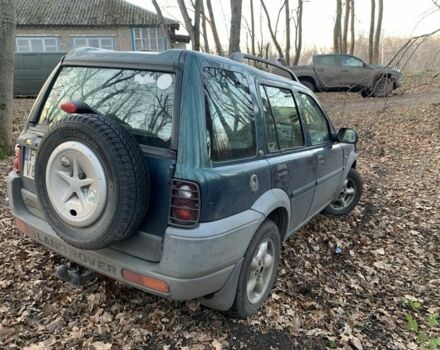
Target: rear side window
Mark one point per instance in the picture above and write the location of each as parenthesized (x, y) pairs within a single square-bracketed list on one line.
[(282, 120), (229, 115), (325, 61), (142, 100)]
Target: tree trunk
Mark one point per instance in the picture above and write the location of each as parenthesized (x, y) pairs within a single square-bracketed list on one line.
[(205, 32), (252, 28), (163, 24), (234, 34), (287, 32), (272, 34), (337, 28), (352, 34), (7, 52), (371, 36), (187, 20), (218, 46), (298, 34), (197, 12), (345, 31), (378, 32)]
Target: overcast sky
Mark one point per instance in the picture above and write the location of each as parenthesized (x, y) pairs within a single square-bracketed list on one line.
[(401, 18)]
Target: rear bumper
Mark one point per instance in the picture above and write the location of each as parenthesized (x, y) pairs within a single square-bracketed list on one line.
[(194, 262)]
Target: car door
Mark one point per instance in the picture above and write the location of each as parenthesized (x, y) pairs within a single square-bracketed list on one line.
[(292, 165), (329, 155), (354, 72), (327, 70)]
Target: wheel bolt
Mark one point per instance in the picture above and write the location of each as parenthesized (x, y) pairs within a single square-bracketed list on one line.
[(65, 162)]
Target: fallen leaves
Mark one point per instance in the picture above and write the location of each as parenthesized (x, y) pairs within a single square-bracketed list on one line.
[(352, 300)]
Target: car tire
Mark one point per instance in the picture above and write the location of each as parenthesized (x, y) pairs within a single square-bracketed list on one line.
[(259, 268), (308, 84), (365, 93), (349, 196), (383, 86), (92, 181)]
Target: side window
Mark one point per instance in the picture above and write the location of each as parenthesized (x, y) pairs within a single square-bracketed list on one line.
[(315, 120), (325, 61), (349, 61), (282, 121), (229, 116)]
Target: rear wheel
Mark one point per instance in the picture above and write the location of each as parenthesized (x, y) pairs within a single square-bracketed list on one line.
[(308, 84), (258, 271), (349, 196)]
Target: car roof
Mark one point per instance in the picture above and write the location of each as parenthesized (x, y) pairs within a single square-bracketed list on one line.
[(166, 58)]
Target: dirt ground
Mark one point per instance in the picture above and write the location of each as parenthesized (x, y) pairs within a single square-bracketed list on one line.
[(367, 297)]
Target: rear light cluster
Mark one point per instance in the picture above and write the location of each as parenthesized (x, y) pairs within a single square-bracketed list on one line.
[(17, 160), (185, 203)]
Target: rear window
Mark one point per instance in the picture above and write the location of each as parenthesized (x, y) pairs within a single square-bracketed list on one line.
[(142, 100)]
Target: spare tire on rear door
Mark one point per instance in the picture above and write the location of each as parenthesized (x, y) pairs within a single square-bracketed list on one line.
[(92, 181)]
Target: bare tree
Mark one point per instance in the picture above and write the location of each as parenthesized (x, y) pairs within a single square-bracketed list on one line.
[(344, 46), (218, 46), (205, 32), (234, 34), (252, 28), (165, 27), (197, 12), (287, 9), (7, 38), (337, 28), (193, 30), (371, 35), (186, 20), (352, 34), (378, 32), (271, 31), (298, 32)]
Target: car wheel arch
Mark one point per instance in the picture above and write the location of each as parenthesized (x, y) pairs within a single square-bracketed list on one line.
[(275, 205)]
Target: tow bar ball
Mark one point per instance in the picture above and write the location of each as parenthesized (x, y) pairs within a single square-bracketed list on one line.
[(73, 277)]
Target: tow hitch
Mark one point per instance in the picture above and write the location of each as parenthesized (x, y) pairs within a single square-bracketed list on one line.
[(73, 277)]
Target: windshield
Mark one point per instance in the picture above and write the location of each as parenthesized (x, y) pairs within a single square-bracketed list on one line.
[(142, 100)]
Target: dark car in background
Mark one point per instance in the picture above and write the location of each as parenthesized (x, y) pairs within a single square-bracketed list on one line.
[(346, 72)]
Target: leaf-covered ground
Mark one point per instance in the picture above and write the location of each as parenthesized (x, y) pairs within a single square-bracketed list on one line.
[(358, 299)]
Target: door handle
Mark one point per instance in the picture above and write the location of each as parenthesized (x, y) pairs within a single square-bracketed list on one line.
[(321, 158), (282, 169)]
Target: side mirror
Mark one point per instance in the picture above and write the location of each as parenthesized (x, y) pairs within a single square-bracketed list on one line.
[(347, 135)]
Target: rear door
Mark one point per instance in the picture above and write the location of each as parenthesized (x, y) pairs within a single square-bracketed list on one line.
[(293, 166), (329, 154), (327, 70)]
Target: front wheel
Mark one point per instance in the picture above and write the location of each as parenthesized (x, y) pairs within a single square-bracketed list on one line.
[(349, 196), (383, 87), (258, 271)]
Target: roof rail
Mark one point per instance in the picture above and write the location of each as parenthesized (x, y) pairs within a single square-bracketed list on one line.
[(239, 57)]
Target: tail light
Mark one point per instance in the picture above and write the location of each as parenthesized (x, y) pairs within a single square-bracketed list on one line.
[(17, 160), (185, 203)]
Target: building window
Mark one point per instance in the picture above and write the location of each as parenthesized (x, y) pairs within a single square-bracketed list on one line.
[(101, 42), (149, 39), (36, 44)]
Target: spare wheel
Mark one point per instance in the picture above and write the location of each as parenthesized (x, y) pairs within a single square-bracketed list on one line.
[(92, 181)]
